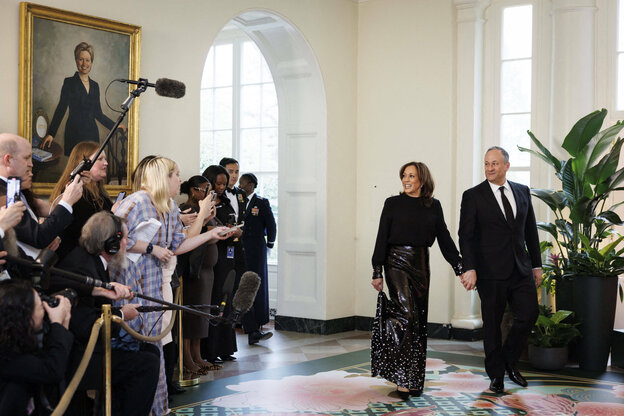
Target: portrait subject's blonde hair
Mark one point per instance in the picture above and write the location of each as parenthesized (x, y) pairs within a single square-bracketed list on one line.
[(81, 47)]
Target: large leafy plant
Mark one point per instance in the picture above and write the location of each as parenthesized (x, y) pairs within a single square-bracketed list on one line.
[(582, 219), (550, 331)]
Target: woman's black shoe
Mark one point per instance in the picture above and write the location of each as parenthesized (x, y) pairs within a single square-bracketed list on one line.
[(228, 358), (415, 393), (404, 395)]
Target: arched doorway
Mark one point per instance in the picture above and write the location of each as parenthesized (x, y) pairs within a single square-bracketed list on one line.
[(302, 135)]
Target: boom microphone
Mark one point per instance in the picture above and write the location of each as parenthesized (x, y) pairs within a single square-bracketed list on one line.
[(228, 288), (164, 87), (244, 296)]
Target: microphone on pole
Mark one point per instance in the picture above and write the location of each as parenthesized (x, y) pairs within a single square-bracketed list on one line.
[(164, 87), (244, 296), (228, 288)]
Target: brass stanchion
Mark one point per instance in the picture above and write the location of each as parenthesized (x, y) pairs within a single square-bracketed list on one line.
[(107, 316), (181, 380)]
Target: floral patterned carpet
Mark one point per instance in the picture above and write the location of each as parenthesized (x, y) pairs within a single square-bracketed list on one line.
[(455, 385)]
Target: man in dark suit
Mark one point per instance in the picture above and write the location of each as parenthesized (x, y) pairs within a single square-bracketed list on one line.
[(259, 222), (103, 241), (16, 160), (500, 250)]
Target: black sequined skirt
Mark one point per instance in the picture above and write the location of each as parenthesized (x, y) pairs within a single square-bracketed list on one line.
[(399, 338)]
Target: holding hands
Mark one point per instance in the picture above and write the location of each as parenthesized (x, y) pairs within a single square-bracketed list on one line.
[(469, 279)]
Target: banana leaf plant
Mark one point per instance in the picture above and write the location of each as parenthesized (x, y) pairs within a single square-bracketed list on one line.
[(582, 219)]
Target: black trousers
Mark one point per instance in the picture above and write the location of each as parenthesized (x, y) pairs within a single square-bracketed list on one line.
[(134, 379), (520, 292)]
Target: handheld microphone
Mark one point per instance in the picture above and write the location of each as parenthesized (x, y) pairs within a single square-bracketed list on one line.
[(164, 87), (228, 288), (244, 296)]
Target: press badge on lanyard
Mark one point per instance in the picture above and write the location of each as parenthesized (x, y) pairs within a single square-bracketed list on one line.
[(230, 252)]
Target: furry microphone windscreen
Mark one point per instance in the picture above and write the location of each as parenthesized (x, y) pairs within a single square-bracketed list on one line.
[(246, 293), (170, 88)]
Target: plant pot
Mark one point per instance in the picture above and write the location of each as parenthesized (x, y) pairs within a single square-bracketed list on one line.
[(548, 358), (594, 301)]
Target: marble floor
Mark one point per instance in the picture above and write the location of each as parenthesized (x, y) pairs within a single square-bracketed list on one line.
[(286, 348)]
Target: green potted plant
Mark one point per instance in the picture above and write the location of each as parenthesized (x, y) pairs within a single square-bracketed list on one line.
[(589, 254), (549, 339)]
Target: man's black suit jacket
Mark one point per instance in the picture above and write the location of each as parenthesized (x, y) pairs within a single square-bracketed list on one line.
[(87, 310), (488, 243), (38, 235)]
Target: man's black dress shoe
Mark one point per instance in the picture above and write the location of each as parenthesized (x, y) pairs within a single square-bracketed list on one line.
[(497, 386), (415, 393), (257, 336), (227, 358), (516, 377)]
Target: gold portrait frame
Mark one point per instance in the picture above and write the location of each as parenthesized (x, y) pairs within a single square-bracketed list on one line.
[(44, 31)]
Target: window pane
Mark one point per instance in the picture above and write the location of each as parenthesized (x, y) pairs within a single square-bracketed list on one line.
[(208, 75), (517, 32), (269, 156), (206, 116), (250, 148), (513, 134), (250, 106), (266, 73), (516, 86), (206, 149), (620, 82), (223, 108), (267, 188), (223, 145), (251, 63), (522, 176), (269, 105), (620, 26), (223, 65)]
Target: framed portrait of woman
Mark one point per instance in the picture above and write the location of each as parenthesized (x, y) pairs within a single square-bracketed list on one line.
[(69, 93)]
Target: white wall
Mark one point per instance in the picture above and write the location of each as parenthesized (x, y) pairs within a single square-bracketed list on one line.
[(405, 112)]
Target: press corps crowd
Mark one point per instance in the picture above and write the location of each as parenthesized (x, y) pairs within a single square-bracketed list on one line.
[(141, 245)]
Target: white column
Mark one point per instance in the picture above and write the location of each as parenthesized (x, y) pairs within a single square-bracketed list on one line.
[(466, 307), (572, 64)]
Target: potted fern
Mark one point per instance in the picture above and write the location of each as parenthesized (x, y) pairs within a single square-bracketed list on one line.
[(589, 249), (549, 339)]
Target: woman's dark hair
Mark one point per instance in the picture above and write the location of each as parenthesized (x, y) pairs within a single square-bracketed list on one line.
[(17, 303), (213, 171), (425, 178), (193, 182)]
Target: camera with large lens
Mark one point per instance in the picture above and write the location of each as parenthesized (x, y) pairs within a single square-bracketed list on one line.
[(52, 300)]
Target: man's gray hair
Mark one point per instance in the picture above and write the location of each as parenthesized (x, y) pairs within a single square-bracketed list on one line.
[(99, 228), (503, 151)]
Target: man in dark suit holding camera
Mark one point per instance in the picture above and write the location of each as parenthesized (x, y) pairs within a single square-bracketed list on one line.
[(500, 251)]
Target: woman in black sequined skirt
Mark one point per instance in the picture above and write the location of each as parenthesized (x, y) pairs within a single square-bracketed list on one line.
[(409, 224)]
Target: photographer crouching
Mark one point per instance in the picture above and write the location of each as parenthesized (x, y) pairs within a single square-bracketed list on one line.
[(26, 363)]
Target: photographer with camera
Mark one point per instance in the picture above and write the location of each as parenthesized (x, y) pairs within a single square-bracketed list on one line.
[(26, 364)]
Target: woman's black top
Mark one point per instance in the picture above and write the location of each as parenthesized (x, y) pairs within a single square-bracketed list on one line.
[(407, 221), (83, 209)]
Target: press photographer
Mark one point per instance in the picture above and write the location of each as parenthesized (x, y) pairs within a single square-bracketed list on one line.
[(27, 364)]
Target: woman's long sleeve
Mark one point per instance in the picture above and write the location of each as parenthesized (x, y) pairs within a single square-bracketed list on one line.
[(446, 243), (381, 244)]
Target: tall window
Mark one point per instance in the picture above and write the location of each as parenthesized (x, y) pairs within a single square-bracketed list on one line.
[(239, 114), (515, 88), (620, 58)]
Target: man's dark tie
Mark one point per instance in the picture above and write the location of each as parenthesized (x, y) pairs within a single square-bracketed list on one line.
[(508, 211)]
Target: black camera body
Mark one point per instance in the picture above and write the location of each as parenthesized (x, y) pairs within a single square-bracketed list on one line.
[(53, 302)]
